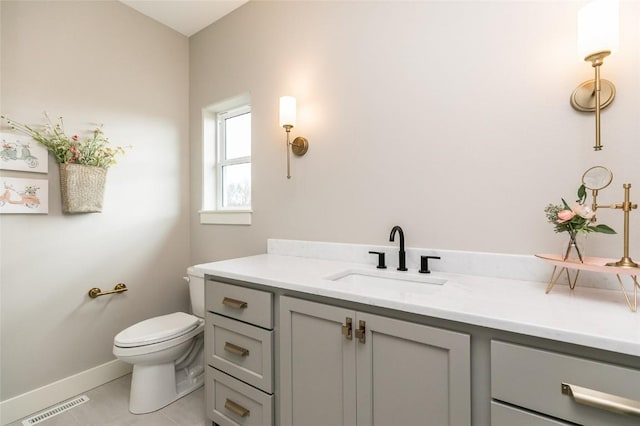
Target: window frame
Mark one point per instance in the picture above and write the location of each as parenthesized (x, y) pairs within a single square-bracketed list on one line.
[(222, 161), (213, 162)]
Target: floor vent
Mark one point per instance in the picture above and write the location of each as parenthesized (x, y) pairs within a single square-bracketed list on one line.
[(55, 410)]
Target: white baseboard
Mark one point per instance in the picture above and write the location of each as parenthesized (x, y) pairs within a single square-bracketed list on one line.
[(38, 399)]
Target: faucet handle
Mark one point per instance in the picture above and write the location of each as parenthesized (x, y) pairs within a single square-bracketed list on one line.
[(380, 254), (424, 264)]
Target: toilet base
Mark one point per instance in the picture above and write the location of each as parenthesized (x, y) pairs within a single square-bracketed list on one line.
[(156, 386)]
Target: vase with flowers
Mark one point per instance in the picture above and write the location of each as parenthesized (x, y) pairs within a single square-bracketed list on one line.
[(83, 159), (578, 219)]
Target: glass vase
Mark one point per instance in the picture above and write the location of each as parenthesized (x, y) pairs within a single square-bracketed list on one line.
[(574, 249)]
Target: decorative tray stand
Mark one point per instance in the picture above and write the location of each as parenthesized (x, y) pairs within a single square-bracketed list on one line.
[(593, 264)]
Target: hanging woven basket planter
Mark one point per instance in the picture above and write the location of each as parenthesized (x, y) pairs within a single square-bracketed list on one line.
[(83, 158), (82, 188)]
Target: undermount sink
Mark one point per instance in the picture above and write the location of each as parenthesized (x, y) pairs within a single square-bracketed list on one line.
[(364, 276)]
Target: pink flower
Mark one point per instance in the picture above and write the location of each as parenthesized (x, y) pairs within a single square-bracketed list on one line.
[(565, 216), (74, 137)]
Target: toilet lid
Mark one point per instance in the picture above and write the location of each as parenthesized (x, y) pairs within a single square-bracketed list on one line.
[(157, 329)]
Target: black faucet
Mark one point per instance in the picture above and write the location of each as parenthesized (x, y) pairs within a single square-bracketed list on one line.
[(401, 256)]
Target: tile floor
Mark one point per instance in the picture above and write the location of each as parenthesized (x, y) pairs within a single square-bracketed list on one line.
[(108, 405)]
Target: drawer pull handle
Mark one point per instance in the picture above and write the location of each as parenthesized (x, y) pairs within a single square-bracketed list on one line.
[(233, 303), (236, 408), (602, 400), (235, 349)]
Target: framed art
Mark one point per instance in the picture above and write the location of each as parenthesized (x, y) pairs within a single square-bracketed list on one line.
[(19, 195), (20, 152)]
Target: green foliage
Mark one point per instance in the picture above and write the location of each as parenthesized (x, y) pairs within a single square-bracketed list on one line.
[(95, 150), (578, 218)]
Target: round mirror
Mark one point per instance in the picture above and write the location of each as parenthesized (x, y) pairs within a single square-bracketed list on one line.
[(597, 177)]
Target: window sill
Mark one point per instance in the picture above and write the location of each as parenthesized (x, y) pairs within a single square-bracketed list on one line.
[(225, 217)]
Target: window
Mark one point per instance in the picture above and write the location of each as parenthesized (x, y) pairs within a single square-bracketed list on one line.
[(234, 164), (227, 163)]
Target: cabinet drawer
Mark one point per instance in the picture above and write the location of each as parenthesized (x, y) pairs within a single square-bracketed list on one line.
[(245, 304), (241, 350), (504, 415), (533, 379), (231, 402)]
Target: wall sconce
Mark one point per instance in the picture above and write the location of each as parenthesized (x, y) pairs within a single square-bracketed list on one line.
[(300, 145), (597, 38)]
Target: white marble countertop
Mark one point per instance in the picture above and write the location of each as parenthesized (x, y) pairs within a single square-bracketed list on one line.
[(594, 317)]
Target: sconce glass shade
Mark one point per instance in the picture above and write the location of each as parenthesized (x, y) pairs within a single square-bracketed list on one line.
[(598, 27), (287, 111)]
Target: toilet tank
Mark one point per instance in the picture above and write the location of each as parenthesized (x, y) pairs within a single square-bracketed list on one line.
[(196, 291)]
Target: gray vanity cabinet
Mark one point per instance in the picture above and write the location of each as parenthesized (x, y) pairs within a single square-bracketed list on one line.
[(559, 389), (239, 388), (506, 415), (343, 367)]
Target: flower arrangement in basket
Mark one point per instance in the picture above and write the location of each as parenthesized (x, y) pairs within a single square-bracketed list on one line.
[(83, 162), (577, 219)]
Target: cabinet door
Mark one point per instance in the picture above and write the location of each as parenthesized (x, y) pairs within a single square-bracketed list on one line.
[(317, 365), (411, 374)]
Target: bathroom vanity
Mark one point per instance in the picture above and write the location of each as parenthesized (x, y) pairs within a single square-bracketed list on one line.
[(311, 340)]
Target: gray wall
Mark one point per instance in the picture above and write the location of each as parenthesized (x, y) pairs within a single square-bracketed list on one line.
[(93, 62), (451, 119)]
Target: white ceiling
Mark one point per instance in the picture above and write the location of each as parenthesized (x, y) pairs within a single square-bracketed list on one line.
[(185, 16)]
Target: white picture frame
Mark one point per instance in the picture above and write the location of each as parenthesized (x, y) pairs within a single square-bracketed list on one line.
[(18, 195), (22, 153)]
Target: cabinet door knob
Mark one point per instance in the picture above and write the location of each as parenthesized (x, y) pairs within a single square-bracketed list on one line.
[(236, 350), (361, 331), (236, 408), (601, 400), (347, 329), (233, 303)]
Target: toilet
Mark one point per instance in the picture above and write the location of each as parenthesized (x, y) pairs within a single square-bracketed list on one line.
[(166, 353)]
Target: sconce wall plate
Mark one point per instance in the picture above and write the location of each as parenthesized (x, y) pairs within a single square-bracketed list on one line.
[(300, 146), (583, 99)]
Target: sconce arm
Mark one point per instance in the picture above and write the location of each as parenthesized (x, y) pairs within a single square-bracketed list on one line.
[(299, 146), (594, 95)]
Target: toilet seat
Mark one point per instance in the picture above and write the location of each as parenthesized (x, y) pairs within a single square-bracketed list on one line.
[(156, 330)]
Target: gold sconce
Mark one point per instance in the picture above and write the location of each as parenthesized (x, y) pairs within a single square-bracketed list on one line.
[(597, 38), (300, 145)]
